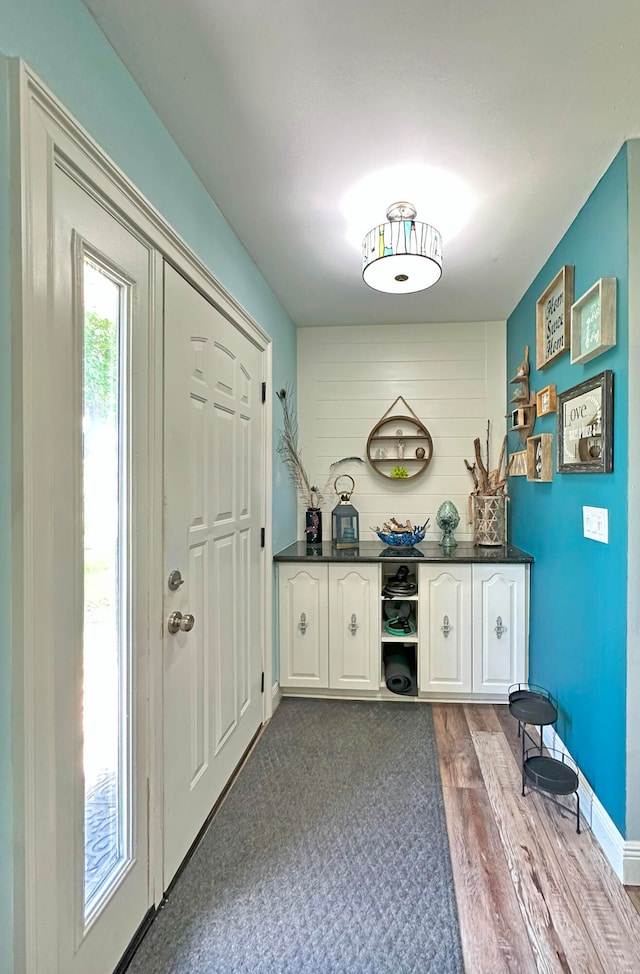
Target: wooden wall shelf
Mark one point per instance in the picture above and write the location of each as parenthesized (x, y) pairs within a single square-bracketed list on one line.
[(525, 417), (393, 442)]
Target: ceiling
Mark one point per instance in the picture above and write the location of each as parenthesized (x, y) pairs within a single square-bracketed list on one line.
[(283, 106)]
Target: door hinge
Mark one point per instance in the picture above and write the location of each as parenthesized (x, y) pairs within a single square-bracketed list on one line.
[(262, 537), (262, 684), (264, 391)]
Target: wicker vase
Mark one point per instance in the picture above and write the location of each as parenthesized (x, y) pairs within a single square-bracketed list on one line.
[(489, 520)]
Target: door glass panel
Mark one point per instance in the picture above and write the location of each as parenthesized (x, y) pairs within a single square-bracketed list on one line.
[(106, 643)]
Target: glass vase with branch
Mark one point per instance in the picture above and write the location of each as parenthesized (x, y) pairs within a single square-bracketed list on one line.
[(289, 451)]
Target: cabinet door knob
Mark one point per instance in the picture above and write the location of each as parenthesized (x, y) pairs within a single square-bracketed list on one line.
[(303, 624), (500, 629), (446, 628), (353, 628)]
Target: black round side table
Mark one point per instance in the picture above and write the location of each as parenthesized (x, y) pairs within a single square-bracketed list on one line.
[(531, 704), (553, 773)]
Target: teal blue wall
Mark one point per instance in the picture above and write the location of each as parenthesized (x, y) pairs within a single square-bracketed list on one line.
[(578, 586), (64, 46)]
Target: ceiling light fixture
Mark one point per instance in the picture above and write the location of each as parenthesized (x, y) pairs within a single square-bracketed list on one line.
[(402, 255)]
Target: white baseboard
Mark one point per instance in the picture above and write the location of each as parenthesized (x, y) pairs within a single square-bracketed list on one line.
[(624, 857), (631, 863), (276, 696)]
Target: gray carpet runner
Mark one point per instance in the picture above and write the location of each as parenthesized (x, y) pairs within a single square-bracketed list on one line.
[(328, 856)]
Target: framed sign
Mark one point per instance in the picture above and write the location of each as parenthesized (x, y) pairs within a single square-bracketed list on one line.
[(546, 401), (593, 321), (585, 426), (553, 334), (517, 464), (540, 457)]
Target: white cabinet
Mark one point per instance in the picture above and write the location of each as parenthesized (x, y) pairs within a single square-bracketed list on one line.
[(444, 625), (473, 628), (304, 620), (354, 627), (329, 626), (500, 624), (471, 635)]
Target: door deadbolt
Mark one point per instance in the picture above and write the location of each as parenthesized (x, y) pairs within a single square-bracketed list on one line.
[(177, 622), (175, 580)]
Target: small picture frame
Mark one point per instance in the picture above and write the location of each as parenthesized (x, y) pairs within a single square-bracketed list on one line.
[(593, 321), (585, 426), (518, 464), (553, 325), (546, 401), (518, 418), (540, 457)]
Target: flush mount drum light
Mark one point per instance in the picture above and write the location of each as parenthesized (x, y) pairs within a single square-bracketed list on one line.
[(402, 255)]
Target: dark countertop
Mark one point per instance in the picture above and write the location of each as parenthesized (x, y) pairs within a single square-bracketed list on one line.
[(373, 551)]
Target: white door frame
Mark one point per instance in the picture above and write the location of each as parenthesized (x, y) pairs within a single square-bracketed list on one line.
[(43, 131)]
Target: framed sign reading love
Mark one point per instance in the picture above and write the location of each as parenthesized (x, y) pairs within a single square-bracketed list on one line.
[(585, 426)]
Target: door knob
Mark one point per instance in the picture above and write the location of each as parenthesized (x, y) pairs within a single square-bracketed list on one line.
[(177, 622), (187, 622)]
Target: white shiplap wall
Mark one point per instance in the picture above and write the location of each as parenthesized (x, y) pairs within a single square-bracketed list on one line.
[(453, 376)]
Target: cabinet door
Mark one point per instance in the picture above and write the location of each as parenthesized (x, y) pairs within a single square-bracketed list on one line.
[(500, 598), (444, 628), (354, 627), (303, 619)]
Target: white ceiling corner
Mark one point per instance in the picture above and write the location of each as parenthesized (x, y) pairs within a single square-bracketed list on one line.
[(282, 106)]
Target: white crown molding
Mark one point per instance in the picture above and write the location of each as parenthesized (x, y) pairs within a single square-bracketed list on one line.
[(170, 243)]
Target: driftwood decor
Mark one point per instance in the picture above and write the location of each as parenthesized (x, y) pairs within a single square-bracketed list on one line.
[(487, 484)]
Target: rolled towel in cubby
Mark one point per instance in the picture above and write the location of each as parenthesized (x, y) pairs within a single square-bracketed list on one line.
[(397, 673)]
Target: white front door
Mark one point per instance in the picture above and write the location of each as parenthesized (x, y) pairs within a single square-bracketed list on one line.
[(100, 634), (214, 511)]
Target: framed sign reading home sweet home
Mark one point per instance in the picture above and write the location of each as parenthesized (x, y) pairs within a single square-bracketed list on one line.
[(553, 325)]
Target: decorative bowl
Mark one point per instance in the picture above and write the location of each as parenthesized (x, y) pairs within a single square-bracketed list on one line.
[(401, 539)]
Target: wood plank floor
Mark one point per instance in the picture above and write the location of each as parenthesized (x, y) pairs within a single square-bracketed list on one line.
[(534, 897)]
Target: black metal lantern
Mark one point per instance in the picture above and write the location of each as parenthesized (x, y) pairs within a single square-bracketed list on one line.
[(345, 529)]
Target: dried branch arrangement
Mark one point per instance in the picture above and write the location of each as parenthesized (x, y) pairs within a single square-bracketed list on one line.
[(487, 482), (291, 455), (393, 526)]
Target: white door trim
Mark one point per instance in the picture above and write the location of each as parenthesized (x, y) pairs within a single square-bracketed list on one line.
[(45, 133)]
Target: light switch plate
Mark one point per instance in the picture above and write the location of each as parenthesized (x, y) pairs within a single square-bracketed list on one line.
[(596, 523)]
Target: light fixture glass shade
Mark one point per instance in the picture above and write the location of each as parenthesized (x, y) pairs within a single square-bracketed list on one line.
[(402, 255)]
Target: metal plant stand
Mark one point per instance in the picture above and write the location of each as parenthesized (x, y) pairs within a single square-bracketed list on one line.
[(553, 773)]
